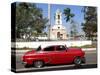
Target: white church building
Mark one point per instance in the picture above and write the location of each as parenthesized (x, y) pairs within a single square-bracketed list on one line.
[(58, 31)]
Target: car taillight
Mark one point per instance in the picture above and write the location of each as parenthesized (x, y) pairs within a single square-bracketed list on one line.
[(83, 52), (23, 58)]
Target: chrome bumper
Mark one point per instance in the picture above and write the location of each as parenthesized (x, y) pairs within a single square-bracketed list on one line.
[(83, 60)]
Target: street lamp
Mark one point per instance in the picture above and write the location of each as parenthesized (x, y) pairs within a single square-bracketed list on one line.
[(49, 23), (29, 32)]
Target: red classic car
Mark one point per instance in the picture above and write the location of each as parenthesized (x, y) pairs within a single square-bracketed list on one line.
[(56, 54)]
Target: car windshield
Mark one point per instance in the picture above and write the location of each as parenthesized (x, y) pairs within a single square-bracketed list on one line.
[(39, 48)]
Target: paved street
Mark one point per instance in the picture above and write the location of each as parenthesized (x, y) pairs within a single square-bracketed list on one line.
[(91, 61)]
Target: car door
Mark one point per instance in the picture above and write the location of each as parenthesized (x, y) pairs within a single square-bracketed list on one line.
[(62, 55), (50, 54)]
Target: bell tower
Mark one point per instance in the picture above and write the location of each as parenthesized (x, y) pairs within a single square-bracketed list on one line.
[(58, 17), (58, 31)]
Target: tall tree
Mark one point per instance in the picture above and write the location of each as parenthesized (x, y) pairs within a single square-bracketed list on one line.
[(68, 17), (68, 14), (73, 29), (90, 24), (29, 20)]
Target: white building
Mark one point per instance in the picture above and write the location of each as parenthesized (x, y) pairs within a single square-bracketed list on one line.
[(58, 31)]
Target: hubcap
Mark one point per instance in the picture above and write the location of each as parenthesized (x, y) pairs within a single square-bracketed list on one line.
[(78, 61), (38, 64)]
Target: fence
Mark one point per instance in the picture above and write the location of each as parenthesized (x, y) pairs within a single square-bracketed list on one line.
[(48, 43)]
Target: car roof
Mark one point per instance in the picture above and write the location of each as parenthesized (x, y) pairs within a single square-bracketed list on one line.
[(54, 45)]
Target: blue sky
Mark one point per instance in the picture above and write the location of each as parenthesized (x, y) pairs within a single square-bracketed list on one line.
[(77, 10)]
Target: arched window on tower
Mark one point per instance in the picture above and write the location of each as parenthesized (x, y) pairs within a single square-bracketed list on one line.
[(58, 22), (58, 16)]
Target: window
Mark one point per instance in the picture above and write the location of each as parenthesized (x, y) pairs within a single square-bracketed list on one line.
[(58, 22), (39, 48), (58, 16), (60, 48), (58, 27), (51, 48)]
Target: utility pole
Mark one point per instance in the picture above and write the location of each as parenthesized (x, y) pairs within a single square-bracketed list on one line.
[(49, 23)]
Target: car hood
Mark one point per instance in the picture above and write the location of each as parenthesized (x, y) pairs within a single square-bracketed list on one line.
[(30, 52)]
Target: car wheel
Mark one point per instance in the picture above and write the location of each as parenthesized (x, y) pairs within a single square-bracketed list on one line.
[(77, 61), (27, 66), (38, 64)]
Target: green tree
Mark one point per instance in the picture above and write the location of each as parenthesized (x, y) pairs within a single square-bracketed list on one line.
[(68, 14), (68, 17), (29, 19), (90, 24), (73, 29)]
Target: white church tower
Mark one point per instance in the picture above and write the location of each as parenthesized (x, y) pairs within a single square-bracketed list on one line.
[(58, 31), (58, 17)]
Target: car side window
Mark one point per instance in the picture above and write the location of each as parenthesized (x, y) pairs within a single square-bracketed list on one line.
[(51, 48), (60, 48)]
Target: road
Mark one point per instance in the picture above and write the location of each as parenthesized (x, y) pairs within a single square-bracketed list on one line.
[(91, 62)]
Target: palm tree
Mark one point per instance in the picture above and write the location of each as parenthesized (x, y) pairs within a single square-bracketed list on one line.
[(68, 18), (68, 14)]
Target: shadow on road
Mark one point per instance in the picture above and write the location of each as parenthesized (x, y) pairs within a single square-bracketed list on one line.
[(86, 66)]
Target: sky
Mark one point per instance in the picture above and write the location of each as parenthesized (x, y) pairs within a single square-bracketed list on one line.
[(77, 10)]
